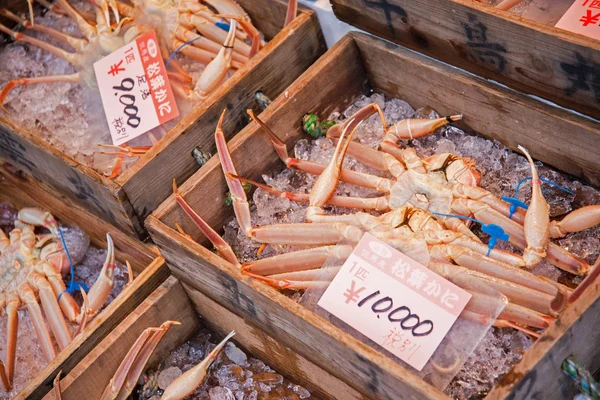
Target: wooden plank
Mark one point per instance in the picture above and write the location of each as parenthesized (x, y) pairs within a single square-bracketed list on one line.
[(555, 136), (575, 333), (531, 57), (91, 376), (271, 71), (262, 345), (149, 268), (291, 50), (292, 325), (23, 191), (371, 63), (79, 183), (251, 149)]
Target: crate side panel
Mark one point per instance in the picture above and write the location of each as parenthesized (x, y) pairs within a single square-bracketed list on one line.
[(282, 60), (531, 57)]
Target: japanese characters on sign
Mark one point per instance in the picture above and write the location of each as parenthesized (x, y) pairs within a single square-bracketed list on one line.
[(395, 301), (135, 89), (582, 17)]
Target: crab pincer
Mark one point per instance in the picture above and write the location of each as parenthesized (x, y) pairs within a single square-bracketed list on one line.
[(537, 220), (186, 383)]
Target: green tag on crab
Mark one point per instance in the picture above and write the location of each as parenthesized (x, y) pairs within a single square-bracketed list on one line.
[(314, 127), (246, 187)]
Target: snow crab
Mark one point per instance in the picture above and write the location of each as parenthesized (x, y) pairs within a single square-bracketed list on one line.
[(444, 246), (31, 269)]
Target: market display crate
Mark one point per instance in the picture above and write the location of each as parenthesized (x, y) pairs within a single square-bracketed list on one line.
[(126, 201), (148, 266), (355, 66), (176, 302), (529, 56)]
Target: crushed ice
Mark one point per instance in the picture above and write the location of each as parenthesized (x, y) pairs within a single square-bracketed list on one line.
[(501, 170), (233, 376)]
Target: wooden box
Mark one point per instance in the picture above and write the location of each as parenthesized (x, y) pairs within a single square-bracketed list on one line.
[(172, 301), (360, 64), (148, 266), (529, 56), (126, 201)]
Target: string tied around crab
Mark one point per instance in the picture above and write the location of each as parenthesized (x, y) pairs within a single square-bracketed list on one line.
[(516, 203), (73, 284), (494, 231)]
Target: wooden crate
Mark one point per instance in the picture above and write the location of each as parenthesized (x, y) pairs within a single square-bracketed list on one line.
[(148, 266), (172, 301), (126, 201), (357, 65), (529, 56)]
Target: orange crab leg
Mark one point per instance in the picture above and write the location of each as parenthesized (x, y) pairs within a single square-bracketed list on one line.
[(20, 37), (373, 203), (291, 13), (28, 296), (52, 311), (222, 246), (298, 260), (186, 383), (31, 81), (353, 177), (76, 43), (12, 327), (576, 221), (130, 369)]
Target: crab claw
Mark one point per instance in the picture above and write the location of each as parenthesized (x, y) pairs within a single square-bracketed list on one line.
[(103, 286), (38, 217)]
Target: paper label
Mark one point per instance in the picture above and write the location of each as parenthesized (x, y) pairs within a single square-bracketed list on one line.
[(135, 89), (394, 300), (582, 17)]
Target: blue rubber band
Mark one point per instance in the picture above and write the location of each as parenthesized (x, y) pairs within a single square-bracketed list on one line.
[(223, 25), (178, 49), (73, 285), (494, 231)]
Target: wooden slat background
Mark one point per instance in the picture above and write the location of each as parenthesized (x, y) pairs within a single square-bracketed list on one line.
[(532, 57)]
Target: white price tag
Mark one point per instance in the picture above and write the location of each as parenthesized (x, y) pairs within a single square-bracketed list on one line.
[(135, 89), (582, 17), (394, 301)]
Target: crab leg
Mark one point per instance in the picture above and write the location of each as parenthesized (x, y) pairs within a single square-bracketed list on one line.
[(372, 203), (356, 178), (186, 383), (290, 284), (556, 255), (485, 265), (216, 70), (103, 286), (40, 79), (76, 43), (537, 219), (130, 369), (212, 32), (518, 294), (297, 260), (308, 275), (375, 159), (309, 234), (252, 32), (241, 207), (291, 13), (13, 302), (52, 311), (576, 221), (327, 182), (507, 4), (67, 304), (198, 54), (205, 44), (222, 246), (28, 296)]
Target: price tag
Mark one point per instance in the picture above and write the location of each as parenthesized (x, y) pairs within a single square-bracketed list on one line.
[(582, 17), (394, 301), (135, 89)]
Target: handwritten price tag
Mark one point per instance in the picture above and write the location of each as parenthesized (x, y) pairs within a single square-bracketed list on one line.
[(582, 17), (395, 301), (135, 89)]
